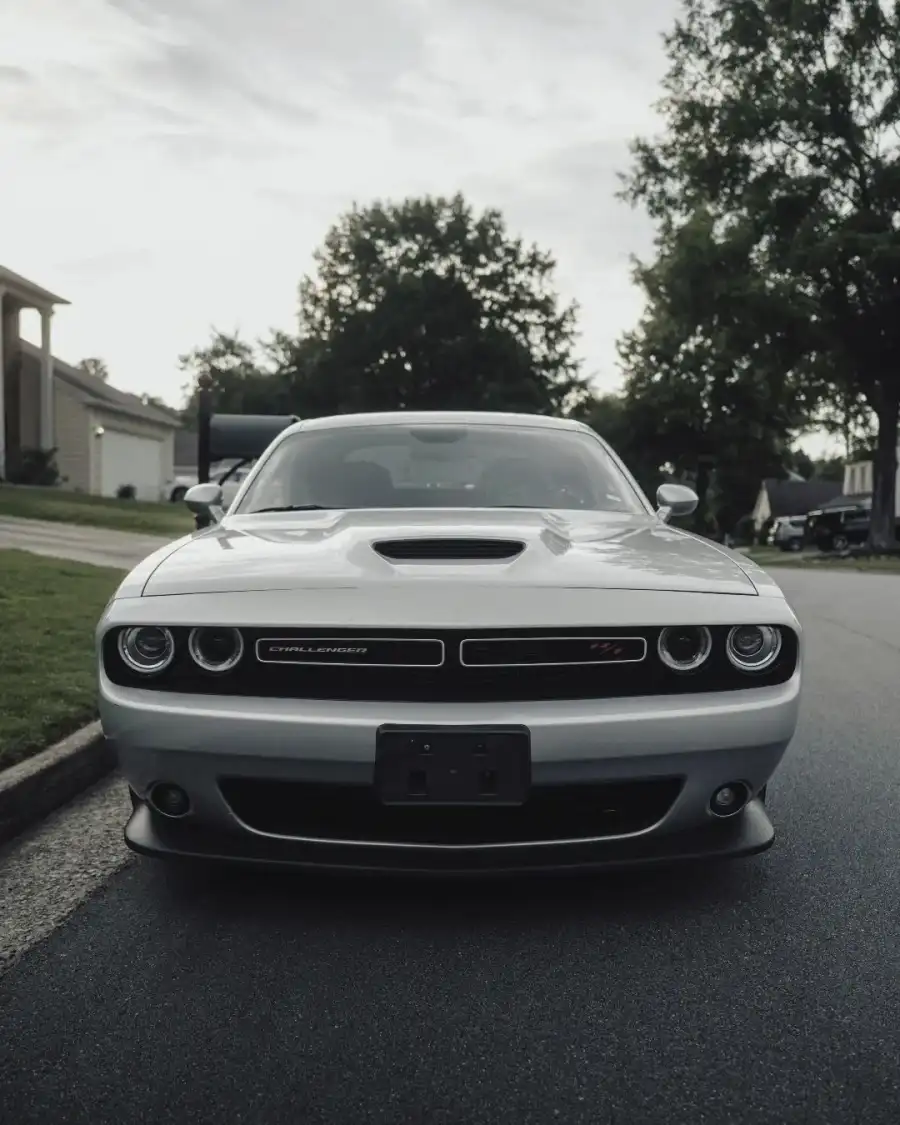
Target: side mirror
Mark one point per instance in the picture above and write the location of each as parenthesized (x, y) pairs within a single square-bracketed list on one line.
[(675, 500), (205, 501)]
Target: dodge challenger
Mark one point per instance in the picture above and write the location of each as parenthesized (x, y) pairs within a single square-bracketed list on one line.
[(447, 642)]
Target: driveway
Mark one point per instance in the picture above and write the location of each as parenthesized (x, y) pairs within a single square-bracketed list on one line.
[(761, 992), (96, 545)]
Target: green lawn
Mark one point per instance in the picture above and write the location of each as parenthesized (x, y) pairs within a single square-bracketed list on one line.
[(48, 684), (767, 557), (96, 511)]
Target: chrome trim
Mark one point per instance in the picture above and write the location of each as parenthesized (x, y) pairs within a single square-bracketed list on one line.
[(769, 660), (549, 663), (345, 642)]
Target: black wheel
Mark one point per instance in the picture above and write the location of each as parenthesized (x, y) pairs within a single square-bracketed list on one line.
[(840, 542), (177, 495)]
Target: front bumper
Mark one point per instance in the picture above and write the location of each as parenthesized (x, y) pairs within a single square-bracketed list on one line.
[(747, 834), (703, 740)]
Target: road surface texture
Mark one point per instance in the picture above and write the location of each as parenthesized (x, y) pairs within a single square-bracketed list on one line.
[(762, 991), (95, 545)]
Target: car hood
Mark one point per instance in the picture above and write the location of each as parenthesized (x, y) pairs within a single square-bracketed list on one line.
[(327, 550)]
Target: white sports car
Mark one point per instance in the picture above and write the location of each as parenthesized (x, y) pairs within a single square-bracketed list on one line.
[(447, 642)]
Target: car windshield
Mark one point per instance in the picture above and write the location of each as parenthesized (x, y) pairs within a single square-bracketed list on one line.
[(440, 466)]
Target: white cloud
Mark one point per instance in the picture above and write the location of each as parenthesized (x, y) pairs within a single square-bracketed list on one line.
[(175, 163)]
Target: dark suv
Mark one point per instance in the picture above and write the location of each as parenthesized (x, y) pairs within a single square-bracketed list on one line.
[(835, 529)]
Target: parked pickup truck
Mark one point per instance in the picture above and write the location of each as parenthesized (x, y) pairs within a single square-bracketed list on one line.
[(836, 529)]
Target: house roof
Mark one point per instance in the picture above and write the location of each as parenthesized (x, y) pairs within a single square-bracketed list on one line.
[(26, 290), (847, 501), (101, 394), (797, 497)]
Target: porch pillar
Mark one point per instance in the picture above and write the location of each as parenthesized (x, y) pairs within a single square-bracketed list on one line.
[(2, 394), (47, 435)]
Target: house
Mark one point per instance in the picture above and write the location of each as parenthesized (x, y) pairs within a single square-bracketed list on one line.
[(859, 481), (186, 446), (104, 438), (793, 497)]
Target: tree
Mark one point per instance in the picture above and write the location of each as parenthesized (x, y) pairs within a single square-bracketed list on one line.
[(782, 122), (243, 378), (96, 368), (423, 304), (703, 387), (847, 415), (610, 416)]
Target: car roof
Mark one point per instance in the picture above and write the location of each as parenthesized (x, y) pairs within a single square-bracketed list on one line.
[(439, 417)]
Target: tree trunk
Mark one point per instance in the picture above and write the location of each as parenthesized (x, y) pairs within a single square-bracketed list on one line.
[(882, 529)]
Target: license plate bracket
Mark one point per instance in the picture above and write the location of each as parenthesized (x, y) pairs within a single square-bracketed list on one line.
[(449, 765)]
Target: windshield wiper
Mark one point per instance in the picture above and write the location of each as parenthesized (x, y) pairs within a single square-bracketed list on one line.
[(293, 508)]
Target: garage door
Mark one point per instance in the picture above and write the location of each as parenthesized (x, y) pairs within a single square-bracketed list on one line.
[(127, 459)]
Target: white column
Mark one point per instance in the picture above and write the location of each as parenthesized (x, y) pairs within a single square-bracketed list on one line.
[(2, 395), (47, 435)]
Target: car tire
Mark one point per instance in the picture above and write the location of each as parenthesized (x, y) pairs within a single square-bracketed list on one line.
[(795, 545), (177, 496), (840, 542)]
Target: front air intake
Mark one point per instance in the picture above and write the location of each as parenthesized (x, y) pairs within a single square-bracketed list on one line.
[(448, 550)]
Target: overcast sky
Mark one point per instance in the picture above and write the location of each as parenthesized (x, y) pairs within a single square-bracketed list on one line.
[(170, 165)]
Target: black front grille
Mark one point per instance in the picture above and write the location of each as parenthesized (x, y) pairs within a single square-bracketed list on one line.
[(451, 550), (364, 652), (352, 812), (452, 682), (509, 652)]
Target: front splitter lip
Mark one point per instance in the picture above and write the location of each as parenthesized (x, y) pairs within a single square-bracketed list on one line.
[(748, 834)]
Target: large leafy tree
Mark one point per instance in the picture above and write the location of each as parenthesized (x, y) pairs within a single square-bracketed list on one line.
[(703, 388), (781, 134), (425, 304), (240, 377)]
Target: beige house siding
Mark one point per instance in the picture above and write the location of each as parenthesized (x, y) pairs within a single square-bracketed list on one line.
[(72, 438), (29, 405)]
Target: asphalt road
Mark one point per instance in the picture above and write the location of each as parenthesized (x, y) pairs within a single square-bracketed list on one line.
[(95, 545), (762, 991)]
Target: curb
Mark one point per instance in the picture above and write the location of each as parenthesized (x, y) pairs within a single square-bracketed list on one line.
[(36, 787)]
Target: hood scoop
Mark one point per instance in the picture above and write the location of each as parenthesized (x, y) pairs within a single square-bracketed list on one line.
[(448, 550)]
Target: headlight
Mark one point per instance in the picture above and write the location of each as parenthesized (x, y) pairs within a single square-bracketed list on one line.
[(215, 649), (684, 647), (146, 648), (753, 647)]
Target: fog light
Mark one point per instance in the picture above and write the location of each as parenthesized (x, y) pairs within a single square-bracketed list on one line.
[(169, 800), (729, 799)]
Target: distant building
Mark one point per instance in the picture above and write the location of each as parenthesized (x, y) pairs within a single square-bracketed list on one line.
[(791, 498), (859, 480), (104, 438)]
